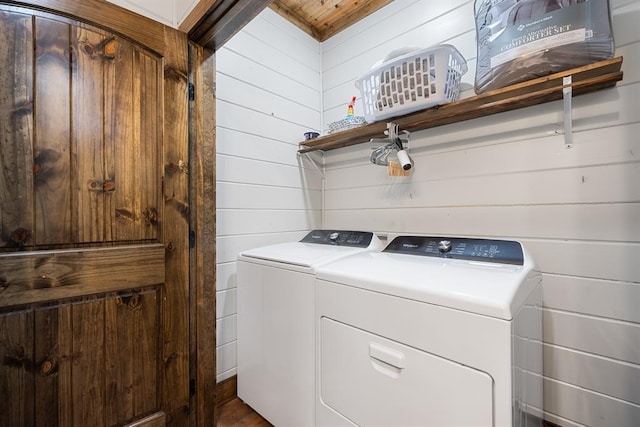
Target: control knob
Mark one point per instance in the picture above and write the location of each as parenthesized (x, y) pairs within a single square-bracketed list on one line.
[(444, 246)]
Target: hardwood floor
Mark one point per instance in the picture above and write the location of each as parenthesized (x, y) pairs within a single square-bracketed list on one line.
[(236, 413)]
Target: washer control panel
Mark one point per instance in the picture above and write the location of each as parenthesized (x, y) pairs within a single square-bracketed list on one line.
[(485, 250), (358, 239)]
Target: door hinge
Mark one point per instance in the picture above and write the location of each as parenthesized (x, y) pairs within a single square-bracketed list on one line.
[(192, 387), (192, 92), (192, 239)]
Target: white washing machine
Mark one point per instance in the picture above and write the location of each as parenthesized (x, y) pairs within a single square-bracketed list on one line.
[(275, 323), (431, 331)]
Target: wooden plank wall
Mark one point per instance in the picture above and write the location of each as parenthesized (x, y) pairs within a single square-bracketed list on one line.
[(577, 210), (268, 95)]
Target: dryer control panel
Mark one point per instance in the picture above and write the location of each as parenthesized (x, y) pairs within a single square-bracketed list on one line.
[(358, 239), (485, 250)]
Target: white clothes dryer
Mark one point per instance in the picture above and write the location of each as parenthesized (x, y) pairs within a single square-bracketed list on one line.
[(431, 331), (275, 328)]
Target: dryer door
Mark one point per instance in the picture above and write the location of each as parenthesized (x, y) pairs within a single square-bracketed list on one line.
[(373, 381)]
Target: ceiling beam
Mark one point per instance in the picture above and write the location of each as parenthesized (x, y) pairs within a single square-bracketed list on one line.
[(221, 20)]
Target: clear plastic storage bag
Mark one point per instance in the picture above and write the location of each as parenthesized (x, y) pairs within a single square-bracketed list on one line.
[(520, 40)]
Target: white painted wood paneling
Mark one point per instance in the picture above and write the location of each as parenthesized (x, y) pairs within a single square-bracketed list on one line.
[(225, 276), (228, 247), (259, 100), (280, 35), (625, 21), (161, 11), (254, 196), (168, 12), (260, 123), (226, 303), (278, 58), (234, 221), (588, 222), (236, 143), (227, 361), (265, 78), (614, 339), (598, 260), (226, 330), (268, 95), (255, 171), (378, 18), (576, 210), (584, 295), (619, 380), (419, 24), (565, 401)]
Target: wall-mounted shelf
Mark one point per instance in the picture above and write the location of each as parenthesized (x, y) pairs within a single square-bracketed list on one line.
[(590, 78)]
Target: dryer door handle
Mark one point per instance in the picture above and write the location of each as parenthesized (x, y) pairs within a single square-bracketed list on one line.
[(387, 355)]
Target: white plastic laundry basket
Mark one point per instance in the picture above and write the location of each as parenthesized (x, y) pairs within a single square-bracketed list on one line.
[(414, 81)]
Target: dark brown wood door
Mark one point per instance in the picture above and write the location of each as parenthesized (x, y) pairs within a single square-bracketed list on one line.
[(94, 326)]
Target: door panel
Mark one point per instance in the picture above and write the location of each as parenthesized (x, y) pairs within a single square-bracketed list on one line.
[(85, 141), (88, 62), (131, 328), (94, 294), (103, 373), (53, 366), (16, 122), (87, 357), (51, 134), (16, 380), (131, 99)]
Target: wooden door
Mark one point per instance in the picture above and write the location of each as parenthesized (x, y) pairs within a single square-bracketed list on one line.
[(94, 219)]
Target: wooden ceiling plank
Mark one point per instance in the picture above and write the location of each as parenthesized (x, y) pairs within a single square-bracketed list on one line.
[(321, 19), (345, 18), (334, 9), (324, 18), (291, 15)]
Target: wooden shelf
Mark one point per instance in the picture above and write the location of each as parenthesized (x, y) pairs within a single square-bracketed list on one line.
[(590, 78)]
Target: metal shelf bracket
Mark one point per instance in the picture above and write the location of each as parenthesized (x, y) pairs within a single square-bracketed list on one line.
[(567, 95), (313, 161)]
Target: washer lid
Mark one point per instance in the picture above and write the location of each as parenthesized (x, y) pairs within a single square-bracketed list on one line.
[(488, 288), (317, 247)]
